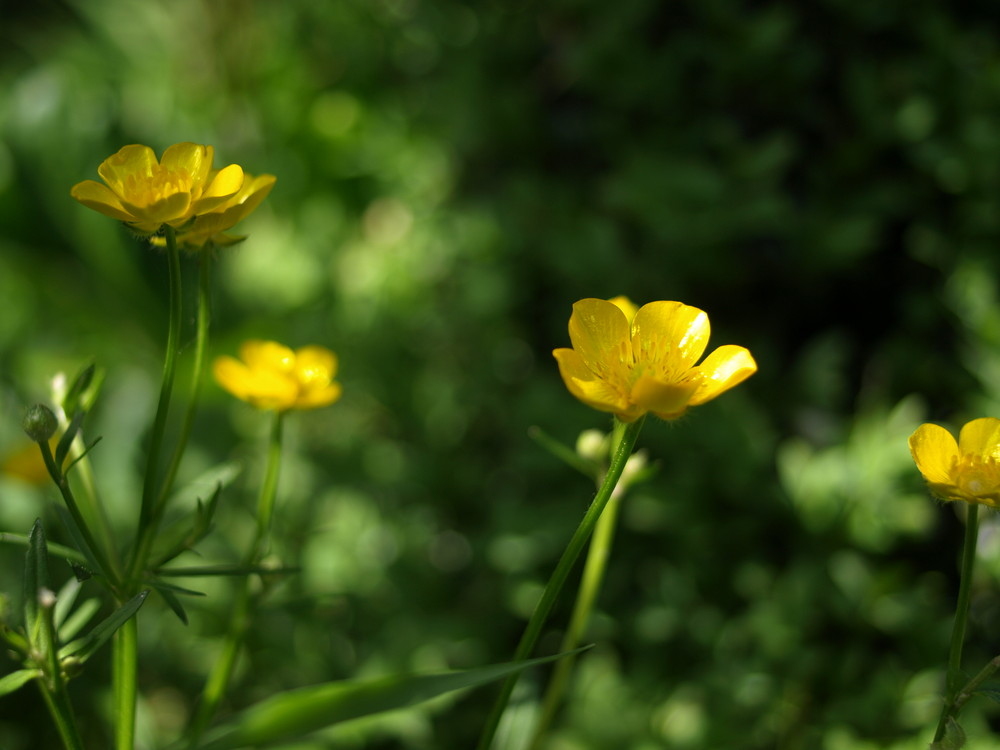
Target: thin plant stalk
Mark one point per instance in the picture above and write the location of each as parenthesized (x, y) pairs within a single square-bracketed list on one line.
[(124, 681), (217, 683), (201, 344), (146, 529), (954, 680), (590, 585), (53, 685), (533, 630)]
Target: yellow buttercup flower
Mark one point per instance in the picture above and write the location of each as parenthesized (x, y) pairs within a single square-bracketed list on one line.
[(269, 375), (210, 227), (147, 193), (630, 361), (967, 470)]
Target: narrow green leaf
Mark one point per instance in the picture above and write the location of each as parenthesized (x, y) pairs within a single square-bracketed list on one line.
[(225, 570), (71, 402), (62, 448), (36, 576), (66, 553), (174, 603), (589, 469), (181, 536), (298, 712), (74, 531), (65, 600), (163, 585), (83, 648), (80, 617), (82, 455), (991, 693), (11, 682)]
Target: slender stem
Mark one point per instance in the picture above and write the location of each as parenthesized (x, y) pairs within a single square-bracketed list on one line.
[(124, 677), (52, 684), (62, 715), (98, 552), (218, 680), (146, 530), (972, 685), (954, 683), (590, 585), (201, 342), (537, 621)]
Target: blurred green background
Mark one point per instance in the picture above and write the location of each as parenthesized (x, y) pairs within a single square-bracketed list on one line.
[(821, 178)]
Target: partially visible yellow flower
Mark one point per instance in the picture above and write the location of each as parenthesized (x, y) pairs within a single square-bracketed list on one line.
[(272, 376), (26, 463), (967, 470), (630, 365), (147, 193), (212, 225)]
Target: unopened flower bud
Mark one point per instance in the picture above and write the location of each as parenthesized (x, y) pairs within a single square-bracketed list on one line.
[(592, 445), (39, 423)]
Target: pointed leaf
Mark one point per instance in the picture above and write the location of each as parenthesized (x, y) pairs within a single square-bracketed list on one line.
[(83, 648), (67, 553), (226, 570), (298, 712), (11, 682), (36, 577), (62, 448), (181, 537), (589, 469), (65, 600), (954, 737), (71, 401), (74, 531), (174, 603), (992, 693), (80, 617)]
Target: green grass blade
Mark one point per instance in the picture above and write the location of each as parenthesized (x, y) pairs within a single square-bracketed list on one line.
[(36, 577), (298, 712)]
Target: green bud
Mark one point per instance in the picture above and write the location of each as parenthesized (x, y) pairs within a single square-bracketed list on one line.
[(39, 423)]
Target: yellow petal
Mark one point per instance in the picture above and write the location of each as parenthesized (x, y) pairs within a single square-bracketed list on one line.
[(600, 336), (934, 450), (666, 400), (626, 305), (980, 437), (134, 159), (172, 208), (263, 388), (254, 190), (223, 185), (581, 381), (726, 367), (191, 158), (314, 364), (267, 355), (671, 335), (314, 399), (100, 198)]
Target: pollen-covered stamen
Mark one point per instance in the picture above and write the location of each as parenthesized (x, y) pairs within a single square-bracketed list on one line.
[(976, 475), (148, 189)]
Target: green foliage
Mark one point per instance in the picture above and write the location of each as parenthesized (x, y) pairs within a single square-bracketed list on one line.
[(821, 178)]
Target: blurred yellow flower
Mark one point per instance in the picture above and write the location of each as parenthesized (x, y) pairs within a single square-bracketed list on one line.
[(26, 463), (967, 470), (272, 376), (212, 225), (632, 361), (147, 193)]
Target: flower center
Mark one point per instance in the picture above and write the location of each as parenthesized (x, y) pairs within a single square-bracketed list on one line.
[(149, 189), (977, 475)]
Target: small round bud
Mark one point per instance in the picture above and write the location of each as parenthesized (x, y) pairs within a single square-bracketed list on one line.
[(592, 445), (39, 423)]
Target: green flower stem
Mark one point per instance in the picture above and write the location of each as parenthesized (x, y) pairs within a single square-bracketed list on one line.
[(62, 715), (62, 482), (222, 671), (201, 344), (630, 432), (954, 684), (53, 685), (147, 525), (124, 679), (590, 585), (972, 685)]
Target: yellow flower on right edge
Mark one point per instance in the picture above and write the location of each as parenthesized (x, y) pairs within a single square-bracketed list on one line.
[(968, 470), (270, 376), (632, 361)]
